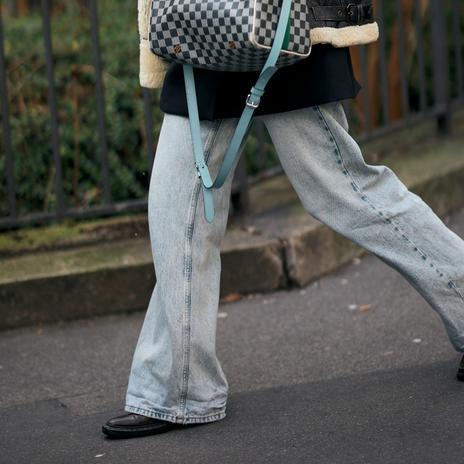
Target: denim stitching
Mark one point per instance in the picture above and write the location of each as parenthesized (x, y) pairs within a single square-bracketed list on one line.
[(176, 419), (187, 272), (357, 189)]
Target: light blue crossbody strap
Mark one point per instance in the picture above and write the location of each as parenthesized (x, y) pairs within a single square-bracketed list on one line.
[(242, 127), (202, 168), (195, 126), (241, 130)]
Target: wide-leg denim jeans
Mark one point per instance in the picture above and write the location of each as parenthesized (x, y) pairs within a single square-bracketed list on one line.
[(175, 374)]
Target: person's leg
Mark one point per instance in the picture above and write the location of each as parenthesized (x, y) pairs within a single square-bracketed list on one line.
[(175, 375), (371, 206)]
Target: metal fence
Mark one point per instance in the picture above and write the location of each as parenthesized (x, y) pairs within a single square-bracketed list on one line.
[(443, 50)]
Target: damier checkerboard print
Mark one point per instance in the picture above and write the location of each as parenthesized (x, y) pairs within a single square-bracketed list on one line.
[(226, 35)]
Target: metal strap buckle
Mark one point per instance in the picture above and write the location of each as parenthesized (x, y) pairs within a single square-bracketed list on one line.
[(354, 12), (198, 168), (251, 103)]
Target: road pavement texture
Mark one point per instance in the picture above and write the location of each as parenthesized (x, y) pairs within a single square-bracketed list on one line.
[(354, 368)]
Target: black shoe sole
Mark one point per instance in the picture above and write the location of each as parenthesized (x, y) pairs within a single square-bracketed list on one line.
[(460, 376), (128, 432)]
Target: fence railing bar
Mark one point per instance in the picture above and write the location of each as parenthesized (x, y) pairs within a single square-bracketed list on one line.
[(102, 133), (402, 59), (440, 62), (458, 47), (52, 103), (410, 120), (7, 147), (130, 206), (149, 128), (365, 92), (420, 55), (141, 205), (260, 132), (240, 199), (383, 62)]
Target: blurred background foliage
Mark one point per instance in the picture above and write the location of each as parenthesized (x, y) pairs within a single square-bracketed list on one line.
[(77, 104)]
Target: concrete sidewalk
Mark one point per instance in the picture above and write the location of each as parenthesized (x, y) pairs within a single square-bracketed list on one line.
[(105, 266), (354, 368)]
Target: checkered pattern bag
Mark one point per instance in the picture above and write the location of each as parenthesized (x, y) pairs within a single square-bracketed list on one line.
[(227, 35)]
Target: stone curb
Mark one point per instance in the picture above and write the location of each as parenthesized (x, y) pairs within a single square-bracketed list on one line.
[(117, 277), (68, 285)]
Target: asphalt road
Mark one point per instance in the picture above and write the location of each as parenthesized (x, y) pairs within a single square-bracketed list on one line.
[(355, 368)]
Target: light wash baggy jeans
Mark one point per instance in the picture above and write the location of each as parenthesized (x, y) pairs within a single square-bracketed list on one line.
[(175, 374)]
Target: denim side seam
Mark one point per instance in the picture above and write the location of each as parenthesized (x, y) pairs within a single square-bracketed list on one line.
[(388, 220), (209, 143)]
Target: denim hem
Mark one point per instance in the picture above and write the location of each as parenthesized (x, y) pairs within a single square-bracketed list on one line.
[(189, 419)]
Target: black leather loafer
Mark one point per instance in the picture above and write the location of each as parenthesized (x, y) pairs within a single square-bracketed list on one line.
[(136, 425), (460, 373)]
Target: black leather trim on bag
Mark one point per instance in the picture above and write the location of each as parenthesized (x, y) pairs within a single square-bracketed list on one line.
[(352, 13)]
